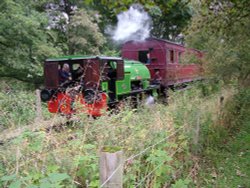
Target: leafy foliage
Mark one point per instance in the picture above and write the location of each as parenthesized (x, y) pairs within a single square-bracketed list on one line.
[(28, 36), (181, 184), (24, 41), (53, 180), (83, 34), (170, 18), (226, 152), (221, 28)]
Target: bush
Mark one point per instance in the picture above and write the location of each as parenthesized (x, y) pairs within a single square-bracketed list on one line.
[(17, 104), (237, 110)]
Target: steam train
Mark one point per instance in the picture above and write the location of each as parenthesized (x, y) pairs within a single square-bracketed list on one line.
[(98, 83)]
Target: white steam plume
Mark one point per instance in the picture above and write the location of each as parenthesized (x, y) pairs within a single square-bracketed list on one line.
[(133, 24)]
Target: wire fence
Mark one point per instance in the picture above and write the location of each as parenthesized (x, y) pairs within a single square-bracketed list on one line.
[(141, 153), (158, 166)]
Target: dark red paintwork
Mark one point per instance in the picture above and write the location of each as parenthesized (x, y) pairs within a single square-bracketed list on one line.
[(171, 72)]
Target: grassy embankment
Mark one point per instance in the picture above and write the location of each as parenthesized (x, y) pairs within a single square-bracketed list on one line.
[(183, 135)]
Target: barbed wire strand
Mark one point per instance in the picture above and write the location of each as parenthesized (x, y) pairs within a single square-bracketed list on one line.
[(150, 173), (140, 153), (143, 151), (113, 173)]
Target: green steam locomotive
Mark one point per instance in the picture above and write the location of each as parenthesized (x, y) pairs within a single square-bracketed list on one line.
[(93, 84)]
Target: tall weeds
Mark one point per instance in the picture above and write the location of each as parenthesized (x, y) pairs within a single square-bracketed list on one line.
[(158, 143)]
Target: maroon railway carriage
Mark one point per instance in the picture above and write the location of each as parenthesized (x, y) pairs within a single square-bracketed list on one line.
[(163, 55)]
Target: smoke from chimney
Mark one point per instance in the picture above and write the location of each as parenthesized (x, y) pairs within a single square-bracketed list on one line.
[(133, 24)]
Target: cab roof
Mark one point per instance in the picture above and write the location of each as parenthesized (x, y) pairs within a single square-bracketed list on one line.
[(79, 57)]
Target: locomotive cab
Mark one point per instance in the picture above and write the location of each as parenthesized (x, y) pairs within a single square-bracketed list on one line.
[(91, 79)]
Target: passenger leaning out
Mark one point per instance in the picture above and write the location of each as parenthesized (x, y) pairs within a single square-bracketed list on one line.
[(64, 74), (157, 77)]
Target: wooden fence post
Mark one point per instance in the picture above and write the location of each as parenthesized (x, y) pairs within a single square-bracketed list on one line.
[(111, 169), (38, 106)]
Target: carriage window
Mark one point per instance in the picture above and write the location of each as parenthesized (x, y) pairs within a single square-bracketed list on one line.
[(144, 56), (179, 57), (171, 56)]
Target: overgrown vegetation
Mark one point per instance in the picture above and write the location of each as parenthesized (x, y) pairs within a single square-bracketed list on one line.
[(17, 104), (69, 155), (221, 28)]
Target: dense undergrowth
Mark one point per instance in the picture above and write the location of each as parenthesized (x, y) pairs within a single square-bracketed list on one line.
[(170, 141), (17, 104)]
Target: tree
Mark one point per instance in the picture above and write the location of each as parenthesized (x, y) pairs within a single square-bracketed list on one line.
[(170, 18), (77, 29), (84, 36), (32, 31), (24, 41)]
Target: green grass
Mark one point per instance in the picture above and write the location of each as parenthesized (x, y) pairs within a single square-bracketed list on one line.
[(226, 163)]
